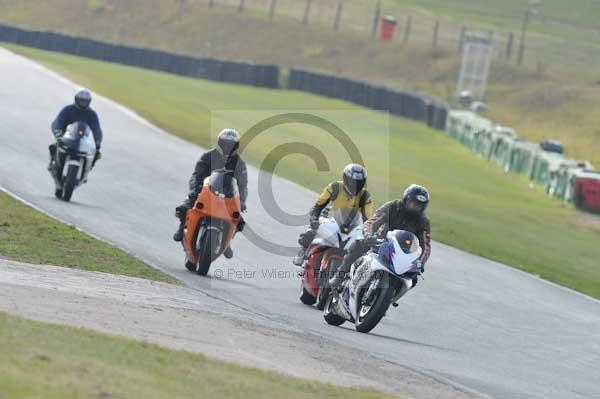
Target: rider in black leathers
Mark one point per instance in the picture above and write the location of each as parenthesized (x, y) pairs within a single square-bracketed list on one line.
[(407, 214), (223, 156)]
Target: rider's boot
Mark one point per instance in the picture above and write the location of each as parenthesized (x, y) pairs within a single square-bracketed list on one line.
[(336, 281), (178, 236), (228, 253), (300, 257), (340, 274)]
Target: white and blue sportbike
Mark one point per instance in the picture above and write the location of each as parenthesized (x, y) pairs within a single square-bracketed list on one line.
[(376, 280)]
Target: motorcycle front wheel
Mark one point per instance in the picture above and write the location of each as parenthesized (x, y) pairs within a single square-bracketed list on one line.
[(70, 182), (306, 297), (329, 313), (373, 309), (208, 247)]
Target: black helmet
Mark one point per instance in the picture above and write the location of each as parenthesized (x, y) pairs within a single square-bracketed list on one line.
[(355, 178), (415, 198), (228, 142), (83, 98)]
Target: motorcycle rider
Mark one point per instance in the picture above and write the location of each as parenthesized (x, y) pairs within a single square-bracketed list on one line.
[(353, 196), (79, 111), (407, 214), (224, 155)]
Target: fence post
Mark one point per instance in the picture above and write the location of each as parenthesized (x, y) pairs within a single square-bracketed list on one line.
[(306, 12), (407, 29), (509, 46), (272, 9), (338, 15), (522, 39), (376, 19), (436, 29), (241, 7), (461, 39)]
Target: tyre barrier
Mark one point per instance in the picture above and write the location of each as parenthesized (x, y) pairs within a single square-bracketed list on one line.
[(562, 177), (211, 69), (411, 105)]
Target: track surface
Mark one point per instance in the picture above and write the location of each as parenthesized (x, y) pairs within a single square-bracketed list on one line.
[(472, 322)]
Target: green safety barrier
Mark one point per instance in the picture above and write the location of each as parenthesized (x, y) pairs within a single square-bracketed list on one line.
[(501, 145)]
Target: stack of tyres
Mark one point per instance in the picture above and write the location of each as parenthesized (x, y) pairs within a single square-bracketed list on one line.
[(430, 107), (395, 100), (440, 116)]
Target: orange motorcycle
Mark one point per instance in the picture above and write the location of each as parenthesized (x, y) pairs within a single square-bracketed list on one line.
[(212, 222)]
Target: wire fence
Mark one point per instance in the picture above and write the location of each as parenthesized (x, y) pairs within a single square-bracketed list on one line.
[(417, 28)]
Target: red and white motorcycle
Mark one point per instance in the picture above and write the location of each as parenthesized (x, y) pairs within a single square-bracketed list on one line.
[(326, 252)]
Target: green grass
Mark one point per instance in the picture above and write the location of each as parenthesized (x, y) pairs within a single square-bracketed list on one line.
[(39, 360), (475, 206), (560, 101), (27, 235)]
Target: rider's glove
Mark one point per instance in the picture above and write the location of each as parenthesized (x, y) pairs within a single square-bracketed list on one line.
[(370, 240), (314, 224), (243, 207), (420, 265), (97, 156), (180, 211), (57, 133)]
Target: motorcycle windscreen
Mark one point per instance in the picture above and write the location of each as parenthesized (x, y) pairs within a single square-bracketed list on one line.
[(404, 249), (347, 218), (407, 241), (73, 134), (222, 184)]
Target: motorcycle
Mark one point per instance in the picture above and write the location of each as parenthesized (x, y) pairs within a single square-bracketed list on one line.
[(376, 280), (212, 222), (333, 237), (73, 159)]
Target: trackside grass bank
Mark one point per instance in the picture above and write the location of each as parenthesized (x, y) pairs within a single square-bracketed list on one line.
[(27, 235), (39, 360), (475, 206)]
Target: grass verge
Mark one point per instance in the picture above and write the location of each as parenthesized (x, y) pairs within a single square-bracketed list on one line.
[(475, 207), (27, 235), (40, 360)]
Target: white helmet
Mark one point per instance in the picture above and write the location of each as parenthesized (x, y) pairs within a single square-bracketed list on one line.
[(228, 142), (83, 98)]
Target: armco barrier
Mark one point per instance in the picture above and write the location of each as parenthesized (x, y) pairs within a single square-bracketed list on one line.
[(212, 69), (555, 172)]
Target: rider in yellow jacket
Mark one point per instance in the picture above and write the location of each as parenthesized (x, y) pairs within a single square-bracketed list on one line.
[(349, 194)]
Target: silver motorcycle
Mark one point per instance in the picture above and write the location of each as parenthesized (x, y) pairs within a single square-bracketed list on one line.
[(73, 159)]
